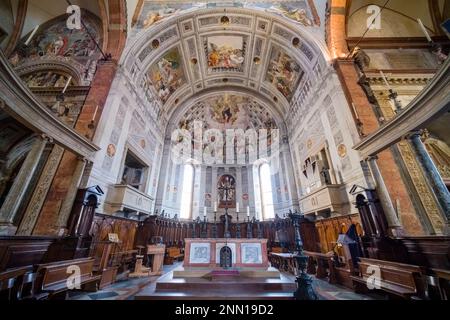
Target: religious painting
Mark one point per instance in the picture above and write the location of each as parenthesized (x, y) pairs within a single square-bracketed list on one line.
[(200, 253), (56, 40), (153, 13), (45, 79), (158, 15), (225, 109), (225, 53), (167, 75), (227, 191), (251, 253), (297, 12), (283, 72)]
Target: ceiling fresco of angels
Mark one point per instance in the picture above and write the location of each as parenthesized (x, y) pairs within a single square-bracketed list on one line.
[(166, 75), (222, 52), (301, 12), (228, 111), (283, 72), (225, 53)]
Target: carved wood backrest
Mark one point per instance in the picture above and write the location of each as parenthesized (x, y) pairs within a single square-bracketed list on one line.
[(400, 274), (57, 273)]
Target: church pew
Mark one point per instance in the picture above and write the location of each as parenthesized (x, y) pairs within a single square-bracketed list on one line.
[(398, 279), (440, 282), (10, 282), (18, 284), (52, 277)]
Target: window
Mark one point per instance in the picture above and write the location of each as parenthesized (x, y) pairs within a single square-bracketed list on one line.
[(266, 192), (186, 195)]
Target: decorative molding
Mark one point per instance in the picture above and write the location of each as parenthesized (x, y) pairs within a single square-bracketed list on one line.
[(40, 193), (429, 104), (22, 104)]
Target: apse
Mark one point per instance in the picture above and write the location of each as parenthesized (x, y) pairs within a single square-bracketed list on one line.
[(224, 150)]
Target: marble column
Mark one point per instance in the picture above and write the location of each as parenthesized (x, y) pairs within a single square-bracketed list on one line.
[(394, 225), (432, 175), (67, 204), (17, 192)]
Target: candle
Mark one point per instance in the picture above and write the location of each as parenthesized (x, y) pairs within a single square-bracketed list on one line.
[(204, 211), (385, 80), (237, 206), (67, 84), (95, 113), (32, 35), (248, 211), (424, 30), (215, 206), (354, 110)]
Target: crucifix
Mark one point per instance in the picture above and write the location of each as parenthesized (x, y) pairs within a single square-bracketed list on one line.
[(226, 188)]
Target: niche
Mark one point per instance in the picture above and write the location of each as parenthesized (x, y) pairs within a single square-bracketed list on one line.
[(134, 172)]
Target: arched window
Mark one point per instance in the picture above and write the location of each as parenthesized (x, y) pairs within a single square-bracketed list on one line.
[(266, 192), (186, 195)]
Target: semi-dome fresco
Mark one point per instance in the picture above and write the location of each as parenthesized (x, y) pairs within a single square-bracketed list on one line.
[(257, 150)]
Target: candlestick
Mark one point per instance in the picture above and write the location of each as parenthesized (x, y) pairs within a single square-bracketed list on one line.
[(354, 110), (67, 84), (204, 211), (248, 211), (95, 113), (424, 30), (385, 80), (32, 35)]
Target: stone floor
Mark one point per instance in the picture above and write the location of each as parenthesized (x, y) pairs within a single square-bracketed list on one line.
[(127, 289)]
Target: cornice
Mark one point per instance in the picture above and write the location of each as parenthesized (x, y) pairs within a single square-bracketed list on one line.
[(427, 106), (17, 99)]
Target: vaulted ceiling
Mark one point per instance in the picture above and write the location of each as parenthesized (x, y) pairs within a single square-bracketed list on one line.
[(177, 53)]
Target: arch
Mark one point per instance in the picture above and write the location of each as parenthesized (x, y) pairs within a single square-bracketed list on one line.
[(148, 47)]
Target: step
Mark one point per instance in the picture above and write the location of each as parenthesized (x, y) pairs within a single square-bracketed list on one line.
[(213, 295)]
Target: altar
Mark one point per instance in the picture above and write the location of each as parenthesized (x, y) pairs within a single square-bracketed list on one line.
[(245, 253)]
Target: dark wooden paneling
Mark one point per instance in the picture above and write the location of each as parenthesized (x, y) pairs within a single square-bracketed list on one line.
[(23, 251), (431, 251)]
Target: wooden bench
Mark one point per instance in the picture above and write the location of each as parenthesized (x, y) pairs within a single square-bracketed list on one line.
[(398, 279), (173, 254), (439, 280), (52, 277)]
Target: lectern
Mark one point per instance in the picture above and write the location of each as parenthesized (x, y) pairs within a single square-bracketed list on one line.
[(156, 254)]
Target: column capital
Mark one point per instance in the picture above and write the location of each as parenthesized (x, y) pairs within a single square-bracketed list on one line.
[(46, 138), (414, 134), (372, 158), (82, 159)]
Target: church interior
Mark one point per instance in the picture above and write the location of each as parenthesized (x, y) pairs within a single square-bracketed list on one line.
[(263, 150)]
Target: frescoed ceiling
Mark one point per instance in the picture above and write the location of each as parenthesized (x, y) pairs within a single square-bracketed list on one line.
[(228, 111), (178, 49)]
